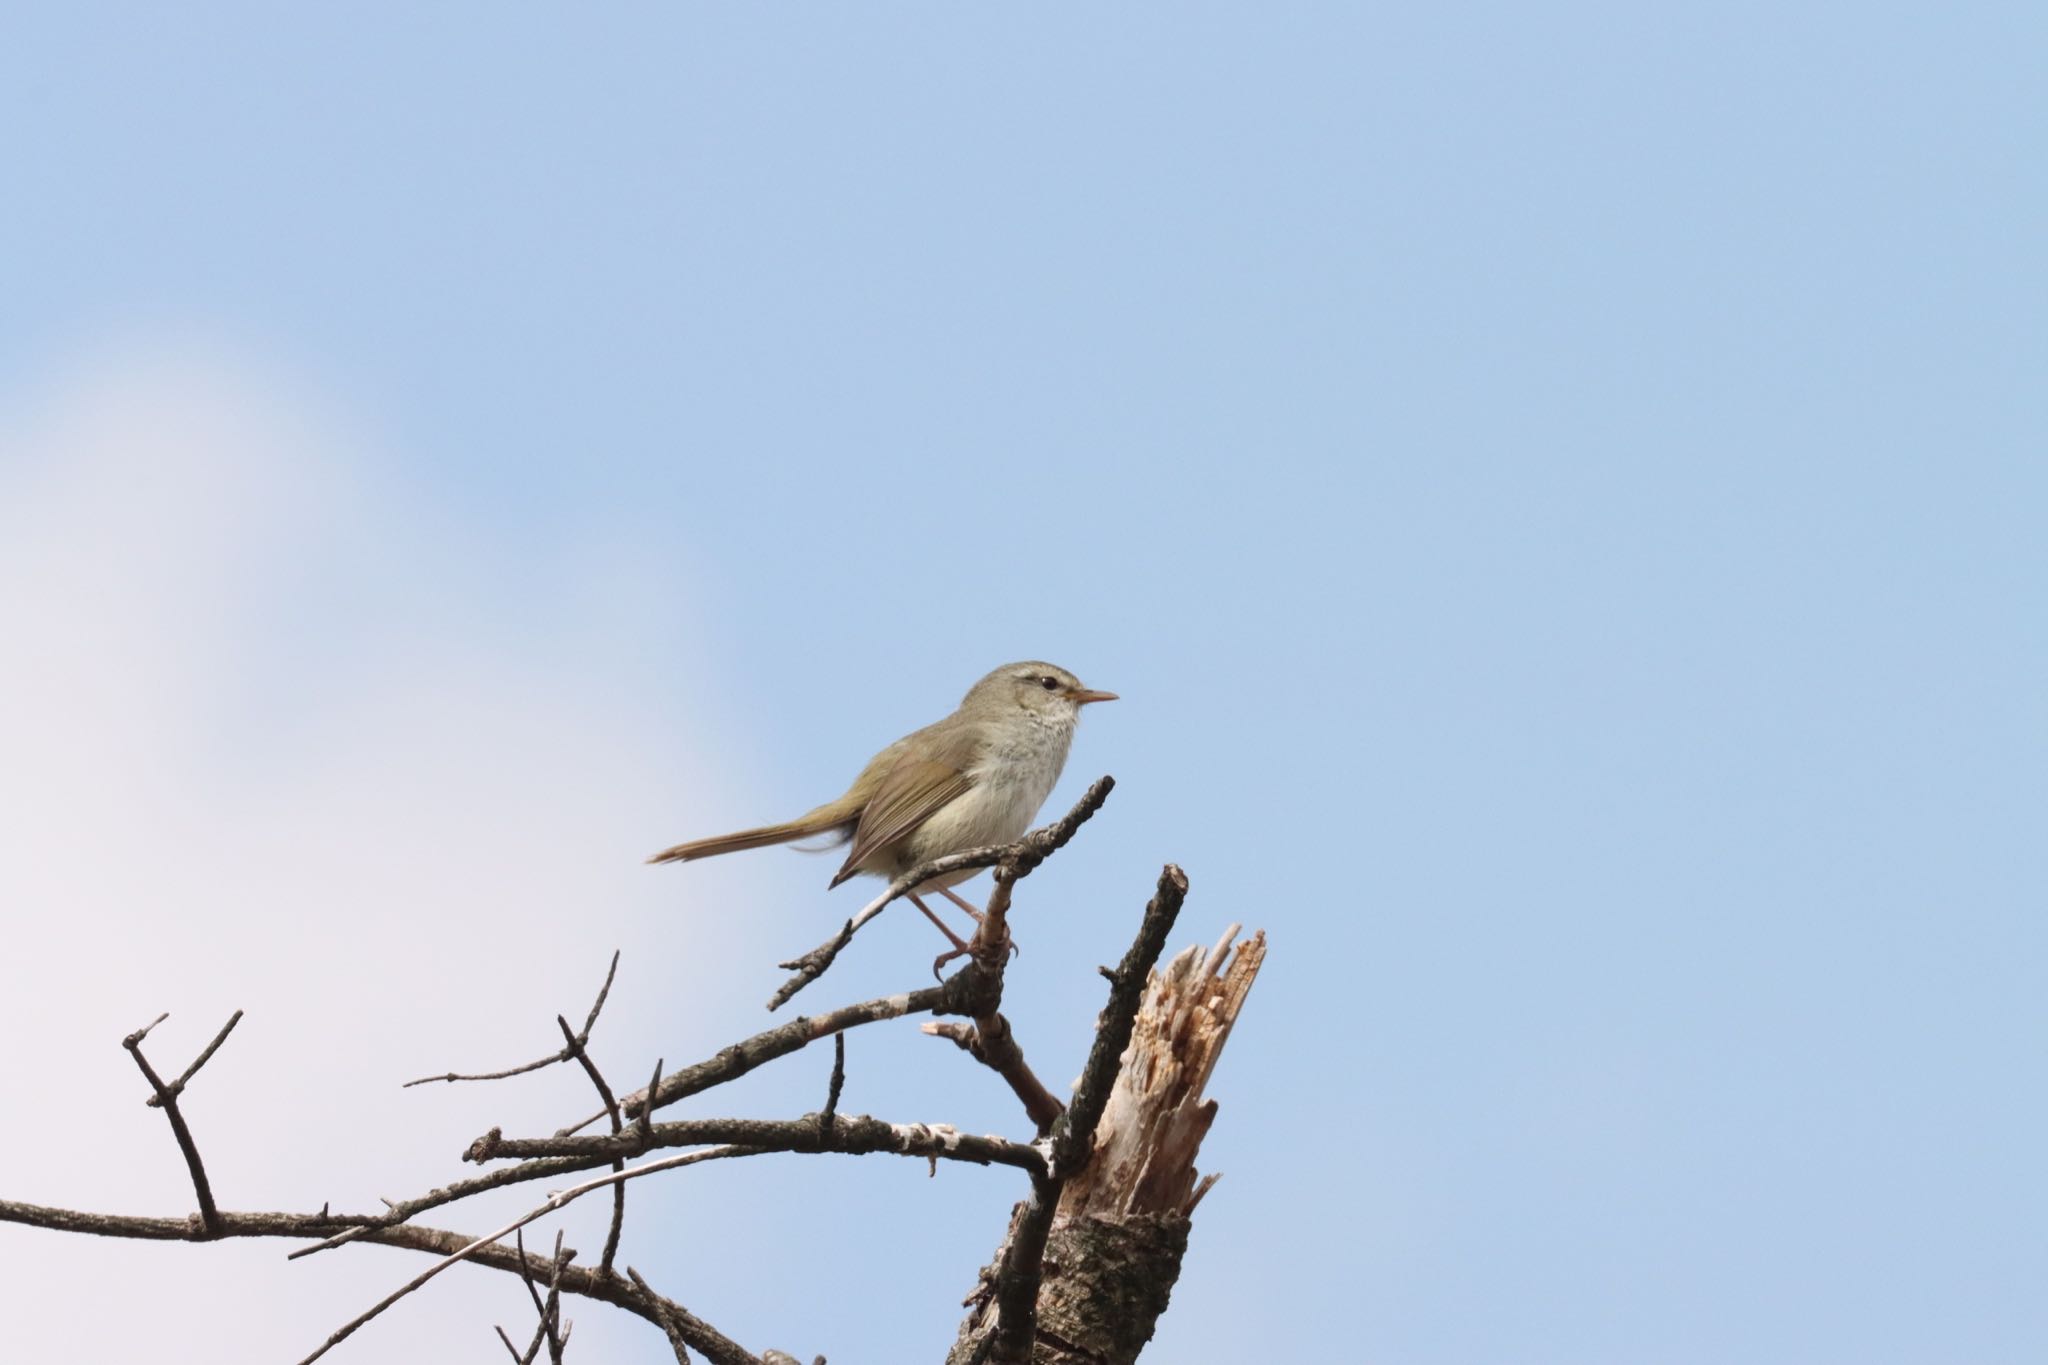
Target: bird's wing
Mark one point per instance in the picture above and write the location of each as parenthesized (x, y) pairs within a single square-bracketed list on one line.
[(917, 786)]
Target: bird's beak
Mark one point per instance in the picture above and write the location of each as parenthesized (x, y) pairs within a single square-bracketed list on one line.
[(1082, 696)]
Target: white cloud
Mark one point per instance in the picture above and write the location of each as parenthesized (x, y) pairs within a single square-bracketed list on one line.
[(274, 737)]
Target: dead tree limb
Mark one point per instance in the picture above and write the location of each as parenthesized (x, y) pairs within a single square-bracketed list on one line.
[(1006, 1332), (1112, 1236)]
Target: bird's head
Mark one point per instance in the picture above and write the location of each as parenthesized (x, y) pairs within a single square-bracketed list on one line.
[(1044, 689)]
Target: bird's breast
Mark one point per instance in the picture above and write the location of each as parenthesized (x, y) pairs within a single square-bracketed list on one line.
[(1016, 773), (1013, 775)]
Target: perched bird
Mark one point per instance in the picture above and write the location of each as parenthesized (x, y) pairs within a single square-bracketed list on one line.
[(977, 777)]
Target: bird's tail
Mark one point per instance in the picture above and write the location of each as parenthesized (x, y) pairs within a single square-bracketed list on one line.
[(825, 820)]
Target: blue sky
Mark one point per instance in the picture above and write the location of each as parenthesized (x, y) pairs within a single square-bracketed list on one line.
[(1560, 491)]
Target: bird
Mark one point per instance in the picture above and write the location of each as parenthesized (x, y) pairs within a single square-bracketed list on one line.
[(977, 777)]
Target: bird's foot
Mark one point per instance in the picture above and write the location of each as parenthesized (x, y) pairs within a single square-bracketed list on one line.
[(969, 950)]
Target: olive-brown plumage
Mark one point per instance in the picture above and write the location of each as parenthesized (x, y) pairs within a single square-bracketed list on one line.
[(976, 777)]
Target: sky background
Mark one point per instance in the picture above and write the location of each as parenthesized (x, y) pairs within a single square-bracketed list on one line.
[(1560, 490)]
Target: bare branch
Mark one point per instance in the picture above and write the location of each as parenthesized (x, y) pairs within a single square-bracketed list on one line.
[(551, 1313), (640, 1301), (555, 1201), (177, 1087), (590, 1020), (735, 1061), (514, 1350), (543, 1310), (166, 1098), (833, 1089), (851, 1135), (402, 1211), (646, 1117), (526, 1271), (562, 1056), (676, 1341), (1075, 1133), (574, 1045), (989, 1041)]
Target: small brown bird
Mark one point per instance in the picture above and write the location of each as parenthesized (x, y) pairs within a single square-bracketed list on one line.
[(977, 777)]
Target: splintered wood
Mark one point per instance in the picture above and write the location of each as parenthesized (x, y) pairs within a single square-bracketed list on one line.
[(1152, 1130)]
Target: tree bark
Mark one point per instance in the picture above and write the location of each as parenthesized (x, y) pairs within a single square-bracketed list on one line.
[(1121, 1227)]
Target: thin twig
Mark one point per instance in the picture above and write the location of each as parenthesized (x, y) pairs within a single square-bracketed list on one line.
[(526, 1271), (404, 1210), (1073, 1137), (166, 1098), (575, 1046), (552, 1313), (832, 1090), (177, 1087), (540, 1308), (732, 1062), (514, 1350), (646, 1119), (558, 1200), (560, 1056), (668, 1326)]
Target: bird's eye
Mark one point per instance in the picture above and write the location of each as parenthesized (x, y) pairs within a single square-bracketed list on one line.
[(1049, 683)]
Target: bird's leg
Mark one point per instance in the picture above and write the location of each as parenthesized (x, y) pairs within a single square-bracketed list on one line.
[(975, 914), (950, 895), (955, 939), (959, 948)]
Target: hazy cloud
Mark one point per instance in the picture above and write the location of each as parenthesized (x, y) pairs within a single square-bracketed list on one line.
[(275, 740)]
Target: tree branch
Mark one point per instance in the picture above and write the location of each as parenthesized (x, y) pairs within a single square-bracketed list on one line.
[(177, 1087), (730, 1063), (558, 1200), (549, 1311), (834, 1087), (855, 1135), (638, 1300), (563, 1055), (1074, 1135), (575, 1045), (166, 1098), (989, 1041)]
